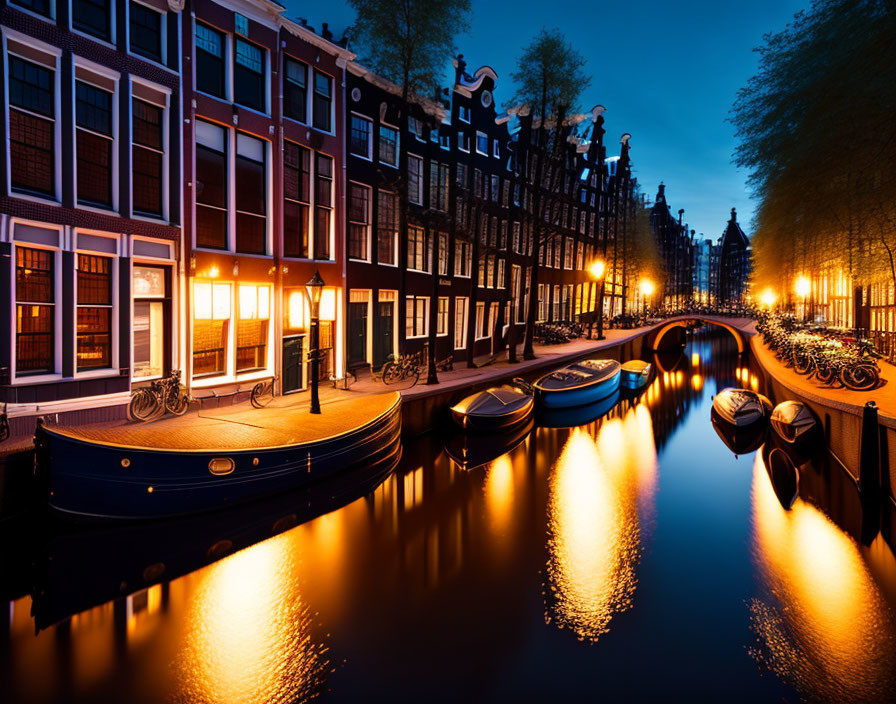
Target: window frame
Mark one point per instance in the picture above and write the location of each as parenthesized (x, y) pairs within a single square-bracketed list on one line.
[(331, 101), (379, 147), (113, 138), (412, 312), (416, 198), (367, 225), (263, 74), (224, 60), (287, 59), (368, 156), (166, 142), (111, 39), (481, 135), (163, 34), (30, 377), (112, 307)]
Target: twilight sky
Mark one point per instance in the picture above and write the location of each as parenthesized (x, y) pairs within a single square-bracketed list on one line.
[(666, 71)]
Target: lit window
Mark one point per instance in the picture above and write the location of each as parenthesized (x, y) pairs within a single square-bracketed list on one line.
[(252, 327), (211, 319), (417, 316), (94, 326), (442, 316), (35, 311)]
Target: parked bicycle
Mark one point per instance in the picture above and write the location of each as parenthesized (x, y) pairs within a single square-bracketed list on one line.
[(402, 367), (262, 393), (162, 396)]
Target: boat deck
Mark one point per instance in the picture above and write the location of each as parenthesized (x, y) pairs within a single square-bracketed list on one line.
[(281, 424)]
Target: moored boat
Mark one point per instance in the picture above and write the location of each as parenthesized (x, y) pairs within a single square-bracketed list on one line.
[(741, 440), (579, 384), (635, 374), (741, 407), (577, 415), (783, 475), (494, 409), (795, 423)]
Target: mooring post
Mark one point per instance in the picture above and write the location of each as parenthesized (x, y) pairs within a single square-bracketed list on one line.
[(869, 462)]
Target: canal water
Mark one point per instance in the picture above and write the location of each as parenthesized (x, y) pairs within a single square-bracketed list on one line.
[(633, 558)]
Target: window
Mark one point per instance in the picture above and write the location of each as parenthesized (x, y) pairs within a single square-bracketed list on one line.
[(323, 205), (92, 17), (361, 137), (252, 327), (251, 195), (323, 100), (438, 186), (415, 179), (147, 152), (387, 228), (463, 258), (501, 272), (477, 182), (93, 116), (502, 235), (150, 287), (490, 271), (463, 113), (417, 317), (35, 311), (461, 305), (496, 187), (443, 254), (480, 320), (211, 186), (388, 145), (542, 302), (297, 199), (295, 90), (461, 176), (496, 149), (32, 127), (481, 143), (568, 253), (358, 221), (555, 304), (517, 242), (211, 318), (248, 75), (94, 326), (209, 60), (415, 127), (418, 254), (41, 7), (442, 316), (463, 142), (145, 31)]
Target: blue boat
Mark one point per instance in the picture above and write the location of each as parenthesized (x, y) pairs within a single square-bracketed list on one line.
[(635, 374), (578, 415), (579, 384)]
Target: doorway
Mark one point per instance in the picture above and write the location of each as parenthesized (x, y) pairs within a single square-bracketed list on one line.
[(357, 333), (383, 327), (293, 352)]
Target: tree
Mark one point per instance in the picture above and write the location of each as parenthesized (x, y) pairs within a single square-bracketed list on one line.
[(550, 78), (409, 42)]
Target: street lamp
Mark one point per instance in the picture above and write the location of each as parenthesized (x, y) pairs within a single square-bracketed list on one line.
[(647, 289), (768, 297), (803, 287), (598, 270), (315, 289)]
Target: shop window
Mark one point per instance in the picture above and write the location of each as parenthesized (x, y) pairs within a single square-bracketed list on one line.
[(387, 228), (92, 17), (35, 311), (322, 101), (248, 75), (358, 221), (323, 205), (297, 199), (211, 318), (93, 111), (209, 60), (148, 156), (149, 284), (94, 327), (32, 127), (211, 186), (252, 328), (295, 90), (146, 31), (251, 195)]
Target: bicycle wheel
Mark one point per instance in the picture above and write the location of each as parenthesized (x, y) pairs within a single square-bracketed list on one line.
[(802, 362), (144, 404), (391, 373), (176, 401), (262, 394), (860, 377), (413, 373), (825, 373)]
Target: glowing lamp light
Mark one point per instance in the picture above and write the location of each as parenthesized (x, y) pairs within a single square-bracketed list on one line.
[(597, 269), (315, 289), (297, 310), (647, 287), (768, 298), (803, 287), (328, 304), (213, 272)]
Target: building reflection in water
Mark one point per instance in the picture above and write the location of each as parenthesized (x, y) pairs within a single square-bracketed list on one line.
[(604, 477), (821, 621)]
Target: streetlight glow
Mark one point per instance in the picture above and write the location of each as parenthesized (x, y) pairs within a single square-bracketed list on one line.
[(803, 287), (598, 268), (769, 297), (647, 287)]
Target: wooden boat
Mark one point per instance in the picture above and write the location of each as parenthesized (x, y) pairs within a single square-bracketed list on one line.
[(783, 474), (741, 407), (577, 415), (794, 422), (495, 409), (741, 440), (91, 473), (579, 384), (471, 450), (635, 374)]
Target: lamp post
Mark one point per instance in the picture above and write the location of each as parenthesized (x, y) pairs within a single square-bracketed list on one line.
[(598, 271), (315, 289)]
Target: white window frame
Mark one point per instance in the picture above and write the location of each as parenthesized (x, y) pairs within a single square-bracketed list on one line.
[(163, 28), (480, 321), (397, 144), (227, 49), (416, 198), (369, 121), (463, 259), (484, 136), (369, 223), (411, 301), (112, 369), (166, 143), (460, 334), (427, 249), (112, 41), (442, 317), (496, 149)]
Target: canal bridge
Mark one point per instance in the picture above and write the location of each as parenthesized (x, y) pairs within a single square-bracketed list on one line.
[(669, 334)]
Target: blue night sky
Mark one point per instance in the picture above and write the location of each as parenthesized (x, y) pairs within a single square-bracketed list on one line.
[(666, 71)]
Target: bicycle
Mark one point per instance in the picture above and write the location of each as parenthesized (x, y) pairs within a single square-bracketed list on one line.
[(262, 393), (401, 367), (161, 396)]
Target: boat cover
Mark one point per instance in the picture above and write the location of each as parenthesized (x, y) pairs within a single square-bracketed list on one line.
[(740, 406), (791, 419), (496, 401), (588, 371), (636, 366)]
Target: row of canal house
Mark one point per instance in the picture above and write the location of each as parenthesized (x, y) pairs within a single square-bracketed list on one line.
[(177, 171)]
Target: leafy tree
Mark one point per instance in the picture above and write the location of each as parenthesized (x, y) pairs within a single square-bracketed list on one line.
[(409, 42)]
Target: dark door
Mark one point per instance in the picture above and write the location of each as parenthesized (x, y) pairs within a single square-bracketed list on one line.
[(357, 333), (382, 333), (293, 349)]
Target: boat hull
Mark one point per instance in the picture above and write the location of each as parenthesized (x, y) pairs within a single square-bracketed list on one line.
[(98, 480), (489, 423), (575, 416), (634, 377), (580, 396), (741, 440)]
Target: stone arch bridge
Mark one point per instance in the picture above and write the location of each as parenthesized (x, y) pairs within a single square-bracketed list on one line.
[(669, 333)]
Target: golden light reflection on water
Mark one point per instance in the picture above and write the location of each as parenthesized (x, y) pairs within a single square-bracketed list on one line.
[(594, 533), (824, 626), (248, 636), (499, 495)]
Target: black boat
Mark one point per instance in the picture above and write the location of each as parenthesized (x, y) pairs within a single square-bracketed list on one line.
[(471, 450), (741, 407), (741, 440), (783, 474), (495, 409)]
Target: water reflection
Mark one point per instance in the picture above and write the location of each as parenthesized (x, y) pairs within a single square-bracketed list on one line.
[(822, 624), (596, 488)]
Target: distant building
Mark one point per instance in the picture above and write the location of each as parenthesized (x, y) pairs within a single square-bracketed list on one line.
[(676, 250), (734, 262), (706, 271)]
